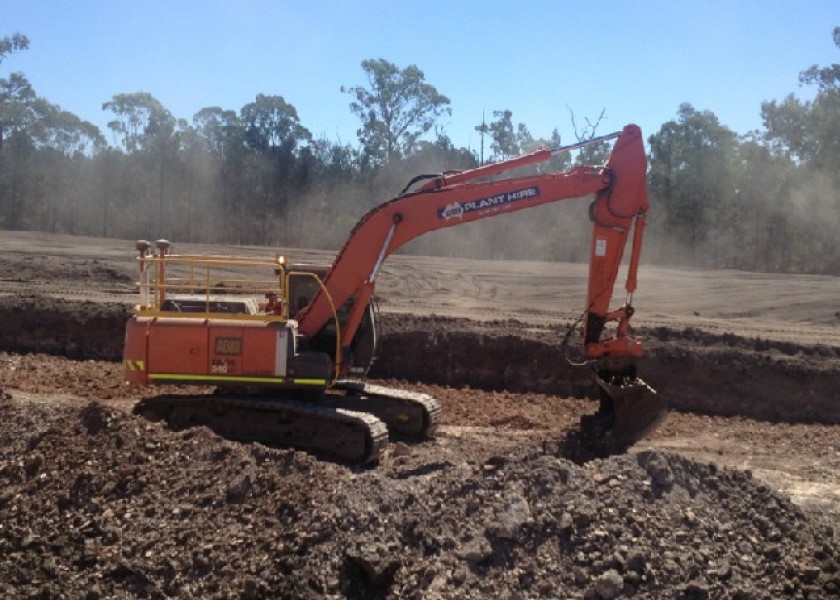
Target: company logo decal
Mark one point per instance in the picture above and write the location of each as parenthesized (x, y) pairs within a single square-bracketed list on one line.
[(458, 210)]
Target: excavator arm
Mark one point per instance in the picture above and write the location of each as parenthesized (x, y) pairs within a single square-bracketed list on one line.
[(629, 408), (450, 200)]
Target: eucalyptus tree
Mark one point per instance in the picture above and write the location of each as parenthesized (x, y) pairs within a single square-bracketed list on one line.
[(397, 107), (691, 180), (503, 135), (765, 220), (43, 150), (147, 132), (140, 120), (16, 97), (274, 135), (222, 135), (12, 43), (221, 130), (807, 133), (16, 93)]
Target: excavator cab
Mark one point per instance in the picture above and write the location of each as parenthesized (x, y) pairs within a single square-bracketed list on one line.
[(359, 354)]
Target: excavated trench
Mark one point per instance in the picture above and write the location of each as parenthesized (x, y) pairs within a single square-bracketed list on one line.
[(716, 374)]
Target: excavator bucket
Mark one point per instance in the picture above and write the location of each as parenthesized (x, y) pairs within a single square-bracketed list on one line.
[(630, 408)]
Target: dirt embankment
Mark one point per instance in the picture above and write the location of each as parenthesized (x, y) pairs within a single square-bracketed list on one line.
[(696, 371), (83, 330)]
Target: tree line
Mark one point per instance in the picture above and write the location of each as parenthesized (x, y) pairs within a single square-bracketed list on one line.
[(763, 201)]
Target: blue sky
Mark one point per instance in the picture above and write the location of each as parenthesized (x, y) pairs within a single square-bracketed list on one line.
[(636, 60)]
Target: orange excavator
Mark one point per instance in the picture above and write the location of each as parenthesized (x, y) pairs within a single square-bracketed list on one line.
[(286, 345)]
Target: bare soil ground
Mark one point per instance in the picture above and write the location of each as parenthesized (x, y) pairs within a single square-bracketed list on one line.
[(737, 495)]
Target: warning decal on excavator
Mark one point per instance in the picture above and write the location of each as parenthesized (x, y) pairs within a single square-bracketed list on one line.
[(600, 247), (457, 210)]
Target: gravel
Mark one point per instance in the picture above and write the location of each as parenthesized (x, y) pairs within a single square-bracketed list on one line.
[(97, 503)]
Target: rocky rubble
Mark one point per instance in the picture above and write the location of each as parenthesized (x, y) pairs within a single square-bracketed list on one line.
[(96, 503)]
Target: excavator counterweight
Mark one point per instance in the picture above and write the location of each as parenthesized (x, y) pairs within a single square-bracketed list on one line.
[(286, 350)]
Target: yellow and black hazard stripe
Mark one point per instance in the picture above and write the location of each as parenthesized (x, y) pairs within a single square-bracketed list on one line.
[(134, 365)]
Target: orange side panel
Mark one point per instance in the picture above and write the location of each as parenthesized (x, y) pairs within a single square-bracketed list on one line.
[(134, 352), (258, 356), (177, 347), (242, 350), (198, 347)]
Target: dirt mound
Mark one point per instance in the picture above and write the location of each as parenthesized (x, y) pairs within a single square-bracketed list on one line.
[(98, 504)]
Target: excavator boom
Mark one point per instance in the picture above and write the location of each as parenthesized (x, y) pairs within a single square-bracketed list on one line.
[(451, 200), (629, 407)]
